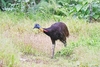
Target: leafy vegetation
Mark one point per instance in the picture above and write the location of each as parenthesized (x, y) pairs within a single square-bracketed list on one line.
[(85, 9)]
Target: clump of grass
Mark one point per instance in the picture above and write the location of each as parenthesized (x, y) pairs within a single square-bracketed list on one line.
[(8, 53), (65, 51), (27, 49)]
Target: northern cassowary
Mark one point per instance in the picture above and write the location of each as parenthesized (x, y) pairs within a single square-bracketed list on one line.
[(57, 31)]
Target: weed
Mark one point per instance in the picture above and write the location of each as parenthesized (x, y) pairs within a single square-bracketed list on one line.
[(27, 49)]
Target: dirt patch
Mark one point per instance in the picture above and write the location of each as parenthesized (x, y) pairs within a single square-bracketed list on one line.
[(34, 59)]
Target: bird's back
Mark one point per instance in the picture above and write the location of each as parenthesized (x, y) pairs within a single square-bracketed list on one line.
[(57, 29), (61, 28)]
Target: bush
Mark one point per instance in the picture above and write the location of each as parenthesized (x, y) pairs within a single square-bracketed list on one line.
[(66, 51)]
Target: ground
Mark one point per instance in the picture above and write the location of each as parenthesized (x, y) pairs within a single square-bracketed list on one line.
[(22, 46)]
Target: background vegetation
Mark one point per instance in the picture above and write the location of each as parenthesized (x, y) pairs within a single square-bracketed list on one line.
[(84, 9), (21, 46)]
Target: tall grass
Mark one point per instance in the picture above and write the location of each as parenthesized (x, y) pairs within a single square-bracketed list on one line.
[(18, 39), (84, 47), (9, 54)]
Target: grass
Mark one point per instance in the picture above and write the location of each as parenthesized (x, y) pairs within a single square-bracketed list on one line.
[(21, 46), (8, 53)]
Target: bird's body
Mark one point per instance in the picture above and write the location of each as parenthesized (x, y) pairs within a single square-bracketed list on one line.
[(57, 31)]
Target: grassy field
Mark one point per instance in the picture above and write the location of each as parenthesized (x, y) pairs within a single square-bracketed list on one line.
[(21, 46)]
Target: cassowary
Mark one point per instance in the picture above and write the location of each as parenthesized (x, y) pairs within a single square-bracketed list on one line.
[(57, 31)]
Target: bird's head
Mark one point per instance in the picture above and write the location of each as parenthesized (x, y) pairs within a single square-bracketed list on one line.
[(38, 27)]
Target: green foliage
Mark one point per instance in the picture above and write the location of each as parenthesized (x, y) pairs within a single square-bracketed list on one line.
[(2, 3), (65, 51), (8, 53), (27, 49), (96, 10), (81, 8), (75, 8)]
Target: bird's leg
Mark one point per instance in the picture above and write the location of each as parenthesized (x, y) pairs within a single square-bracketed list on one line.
[(65, 44), (53, 50)]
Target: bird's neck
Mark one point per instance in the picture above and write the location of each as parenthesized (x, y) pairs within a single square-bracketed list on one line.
[(46, 31), (41, 29)]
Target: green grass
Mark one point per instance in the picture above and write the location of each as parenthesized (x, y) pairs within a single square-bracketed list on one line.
[(21, 46), (8, 53)]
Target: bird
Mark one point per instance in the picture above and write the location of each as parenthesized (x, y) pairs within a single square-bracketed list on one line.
[(57, 31)]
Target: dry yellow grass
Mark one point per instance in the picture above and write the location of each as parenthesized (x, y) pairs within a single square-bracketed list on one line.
[(15, 36)]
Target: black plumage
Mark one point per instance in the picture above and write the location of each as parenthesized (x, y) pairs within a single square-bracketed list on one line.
[(57, 31)]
